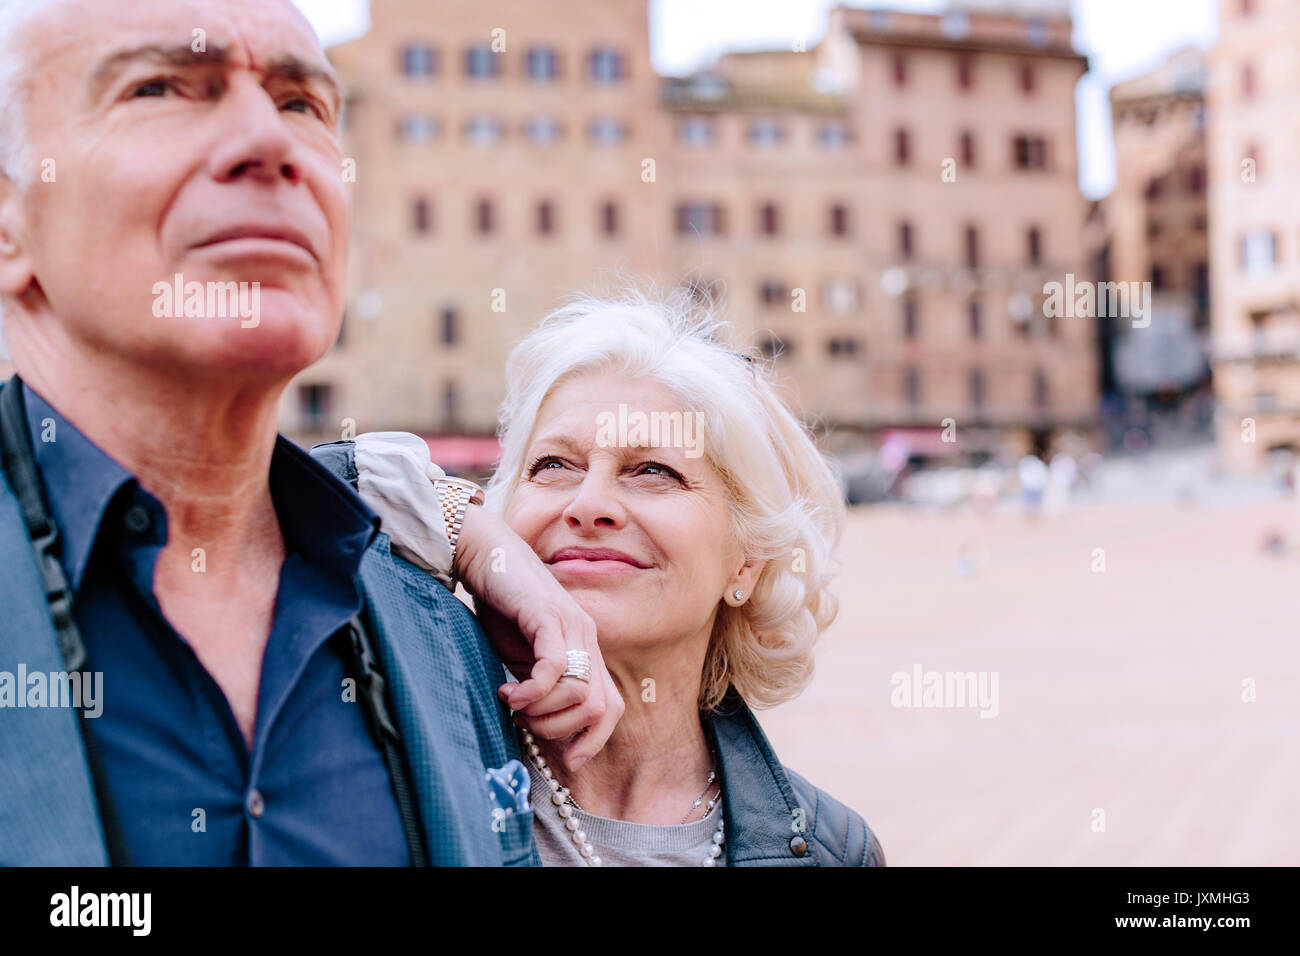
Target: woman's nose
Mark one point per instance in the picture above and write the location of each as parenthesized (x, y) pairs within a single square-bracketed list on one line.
[(595, 504)]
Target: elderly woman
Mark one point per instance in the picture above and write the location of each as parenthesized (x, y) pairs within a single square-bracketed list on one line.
[(674, 495)]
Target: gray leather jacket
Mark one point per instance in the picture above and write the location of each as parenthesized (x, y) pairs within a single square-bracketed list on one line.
[(774, 816)]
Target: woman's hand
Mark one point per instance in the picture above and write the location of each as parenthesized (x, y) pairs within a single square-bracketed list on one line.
[(532, 621)]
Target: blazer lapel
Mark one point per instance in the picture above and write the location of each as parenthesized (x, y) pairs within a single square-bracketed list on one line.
[(757, 797), (430, 698), (48, 813)]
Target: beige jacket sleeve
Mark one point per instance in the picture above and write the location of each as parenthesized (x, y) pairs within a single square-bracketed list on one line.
[(395, 478)]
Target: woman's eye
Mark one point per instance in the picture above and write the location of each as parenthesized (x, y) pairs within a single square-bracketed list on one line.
[(544, 463), (655, 468)]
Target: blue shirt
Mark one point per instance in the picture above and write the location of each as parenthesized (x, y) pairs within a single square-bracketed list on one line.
[(314, 789)]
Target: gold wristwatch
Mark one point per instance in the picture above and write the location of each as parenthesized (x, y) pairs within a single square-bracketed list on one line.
[(456, 495)]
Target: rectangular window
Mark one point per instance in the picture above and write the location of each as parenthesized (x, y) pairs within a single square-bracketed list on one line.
[(975, 319), (421, 216), (705, 219), (1258, 252), (483, 130), (697, 131), (1027, 78), (911, 386), (545, 218), (905, 248), (448, 326), (1030, 152), (902, 147), (1034, 247), (543, 130), (773, 293), (972, 247), (834, 134), (607, 131), (450, 406), (900, 69), (765, 132), (977, 388), (314, 403), (1042, 395), (484, 217), (481, 63), (769, 219), (543, 63), (609, 218), (839, 220), (417, 128), (968, 149), (418, 60), (605, 66), (911, 319), (965, 72)]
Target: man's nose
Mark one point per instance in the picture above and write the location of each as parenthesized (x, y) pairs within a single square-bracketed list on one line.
[(255, 142), (596, 503)]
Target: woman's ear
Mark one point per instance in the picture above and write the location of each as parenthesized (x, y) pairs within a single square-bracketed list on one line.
[(741, 585)]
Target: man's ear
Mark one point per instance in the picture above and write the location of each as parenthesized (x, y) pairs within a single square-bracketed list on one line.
[(743, 582), (16, 273)]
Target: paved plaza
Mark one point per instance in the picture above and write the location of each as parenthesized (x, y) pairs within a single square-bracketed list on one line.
[(1121, 735)]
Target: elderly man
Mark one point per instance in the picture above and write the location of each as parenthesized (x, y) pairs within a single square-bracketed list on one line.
[(277, 687)]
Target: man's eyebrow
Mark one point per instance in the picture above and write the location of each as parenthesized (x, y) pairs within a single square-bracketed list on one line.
[(301, 71), (290, 67), (181, 54)]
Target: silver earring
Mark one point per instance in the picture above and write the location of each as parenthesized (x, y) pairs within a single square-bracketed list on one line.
[(738, 595)]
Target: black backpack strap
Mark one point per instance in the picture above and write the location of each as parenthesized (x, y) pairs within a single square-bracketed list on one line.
[(372, 687), (20, 469)]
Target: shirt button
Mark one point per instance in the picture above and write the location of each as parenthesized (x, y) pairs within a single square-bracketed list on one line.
[(256, 805), (136, 519), (798, 846)]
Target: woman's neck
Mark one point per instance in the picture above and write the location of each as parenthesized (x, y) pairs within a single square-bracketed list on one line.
[(658, 759)]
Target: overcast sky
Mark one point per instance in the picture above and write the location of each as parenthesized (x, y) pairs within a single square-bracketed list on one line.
[(1122, 38)]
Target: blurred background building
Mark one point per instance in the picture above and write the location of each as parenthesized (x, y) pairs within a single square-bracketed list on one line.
[(1254, 132), (878, 213), (1156, 229)]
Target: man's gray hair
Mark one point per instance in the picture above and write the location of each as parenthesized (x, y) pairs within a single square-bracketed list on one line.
[(15, 72)]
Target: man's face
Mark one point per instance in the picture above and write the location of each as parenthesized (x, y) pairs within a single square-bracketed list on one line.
[(190, 137)]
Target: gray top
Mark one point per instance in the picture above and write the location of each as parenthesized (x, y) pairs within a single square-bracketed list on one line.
[(617, 842)]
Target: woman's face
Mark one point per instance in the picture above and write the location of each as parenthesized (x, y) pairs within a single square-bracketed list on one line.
[(637, 534)]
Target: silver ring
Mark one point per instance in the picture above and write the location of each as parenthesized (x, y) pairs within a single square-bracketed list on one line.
[(579, 665)]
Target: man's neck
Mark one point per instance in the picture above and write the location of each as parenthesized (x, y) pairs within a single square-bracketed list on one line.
[(201, 444)]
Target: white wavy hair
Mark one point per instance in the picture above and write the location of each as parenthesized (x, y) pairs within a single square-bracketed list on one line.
[(785, 502), (15, 74)]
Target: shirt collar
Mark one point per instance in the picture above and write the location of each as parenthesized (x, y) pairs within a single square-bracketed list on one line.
[(319, 515)]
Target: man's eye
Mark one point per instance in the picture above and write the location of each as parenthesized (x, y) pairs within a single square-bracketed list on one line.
[(152, 88), (307, 106)]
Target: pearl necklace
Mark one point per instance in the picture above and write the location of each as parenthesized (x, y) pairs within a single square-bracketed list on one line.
[(564, 805)]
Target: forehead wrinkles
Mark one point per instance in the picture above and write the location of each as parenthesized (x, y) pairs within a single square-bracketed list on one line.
[(276, 28)]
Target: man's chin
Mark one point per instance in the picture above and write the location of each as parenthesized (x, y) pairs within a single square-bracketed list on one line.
[(280, 343)]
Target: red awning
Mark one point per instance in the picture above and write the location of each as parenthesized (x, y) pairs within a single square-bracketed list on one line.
[(457, 453)]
